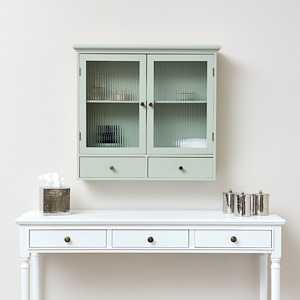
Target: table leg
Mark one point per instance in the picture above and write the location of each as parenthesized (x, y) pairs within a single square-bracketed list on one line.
[(263, 283), (275, 278), (35, 261), (25, 278)]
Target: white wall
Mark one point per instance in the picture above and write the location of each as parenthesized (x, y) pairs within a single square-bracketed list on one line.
[(258, 142)]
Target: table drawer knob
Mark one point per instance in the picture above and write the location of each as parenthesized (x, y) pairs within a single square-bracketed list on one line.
[(180, 168), (112, 168), (233, 239), (67, 239), (150, 239)]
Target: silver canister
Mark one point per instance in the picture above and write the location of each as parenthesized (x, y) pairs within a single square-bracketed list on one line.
[(228, 202), (242, 205), (260, 204)]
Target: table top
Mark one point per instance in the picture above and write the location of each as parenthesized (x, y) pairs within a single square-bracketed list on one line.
[(153, 217)]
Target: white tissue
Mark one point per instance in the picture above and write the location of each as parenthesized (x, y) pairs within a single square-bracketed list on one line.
[(52, 180)]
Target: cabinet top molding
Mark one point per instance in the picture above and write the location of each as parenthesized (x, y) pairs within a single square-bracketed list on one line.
[(147, 48)]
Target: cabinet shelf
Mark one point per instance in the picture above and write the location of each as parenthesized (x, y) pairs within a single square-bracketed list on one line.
[(180, 101), (112, 101), (158, 101)]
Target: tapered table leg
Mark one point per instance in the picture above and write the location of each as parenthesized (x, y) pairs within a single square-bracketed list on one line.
[(25, 278), (263, 283), (35, 261), (275, 278)]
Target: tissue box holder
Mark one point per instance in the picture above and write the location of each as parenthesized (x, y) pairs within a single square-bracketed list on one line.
[(54, 201)]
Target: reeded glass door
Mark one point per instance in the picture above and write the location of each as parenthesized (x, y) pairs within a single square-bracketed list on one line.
[(112, 97), (180, 104)]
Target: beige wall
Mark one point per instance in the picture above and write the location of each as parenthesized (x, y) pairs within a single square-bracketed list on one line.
[(258, 144)]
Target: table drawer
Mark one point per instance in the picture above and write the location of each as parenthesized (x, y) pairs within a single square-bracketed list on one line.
[(111, 167), (169, 167), (233, 239), (67, 238), (150, 238)]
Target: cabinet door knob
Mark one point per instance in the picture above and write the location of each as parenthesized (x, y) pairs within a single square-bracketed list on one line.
[(150, 239), (142, 104), (67, 239), (151, 104), (112, 168), (233, 239), (180, 168)]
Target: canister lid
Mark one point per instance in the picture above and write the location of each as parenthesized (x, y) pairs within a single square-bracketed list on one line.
[(260, 193), (230, 192), (242, 194)]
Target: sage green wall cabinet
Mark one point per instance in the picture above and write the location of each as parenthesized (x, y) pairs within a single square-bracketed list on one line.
[(146, 112)]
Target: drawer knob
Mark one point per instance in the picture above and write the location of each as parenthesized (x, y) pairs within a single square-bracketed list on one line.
[(233, 239), (112, 168), (150, 239), (180, 168), (67, 239)]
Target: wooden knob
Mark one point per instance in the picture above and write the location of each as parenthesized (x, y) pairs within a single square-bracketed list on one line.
[(67, 239), (150, 239), (142, 104), (151, 104), (112, 168), (180, 168), (233, 239)]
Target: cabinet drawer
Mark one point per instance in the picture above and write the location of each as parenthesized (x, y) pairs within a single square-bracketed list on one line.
[(233, 239), (111, 167), (59, 238), (150, 238), (181, 167)]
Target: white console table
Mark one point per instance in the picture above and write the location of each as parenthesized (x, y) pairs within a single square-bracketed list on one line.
[(149, 231)]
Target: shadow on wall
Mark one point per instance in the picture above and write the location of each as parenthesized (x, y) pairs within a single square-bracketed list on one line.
[(151, 276), (177, 194), (225, 120), (152, 194)]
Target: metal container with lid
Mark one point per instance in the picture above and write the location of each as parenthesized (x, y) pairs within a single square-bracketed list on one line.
[(228, 202), (260, 204), (242, 205)]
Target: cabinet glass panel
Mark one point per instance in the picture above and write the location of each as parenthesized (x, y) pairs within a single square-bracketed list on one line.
[(180, 125), (112, 125), (180, 81), (180, 110), (112, 99)]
